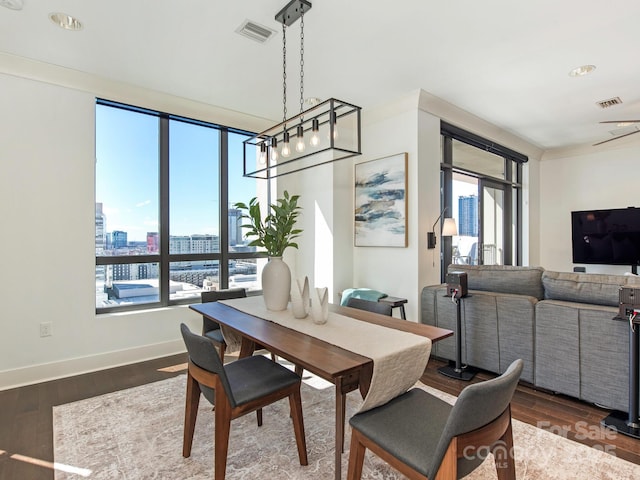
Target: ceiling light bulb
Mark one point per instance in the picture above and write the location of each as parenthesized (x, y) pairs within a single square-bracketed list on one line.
[(315, 138), (263, 153), (333, 122), (286, 151), (582, 70), (300, 146), (274, 150), (65, 21)]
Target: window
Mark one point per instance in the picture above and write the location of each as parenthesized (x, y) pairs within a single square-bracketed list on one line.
[(482, 190), (165, 226)]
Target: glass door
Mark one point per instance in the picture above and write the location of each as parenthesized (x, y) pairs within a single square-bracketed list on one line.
[(478, 208), (492, 225)]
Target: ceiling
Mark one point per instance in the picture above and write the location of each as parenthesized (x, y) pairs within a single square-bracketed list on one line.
[(504, 61)]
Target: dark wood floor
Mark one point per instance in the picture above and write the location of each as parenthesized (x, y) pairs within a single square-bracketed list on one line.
[(26, 445)]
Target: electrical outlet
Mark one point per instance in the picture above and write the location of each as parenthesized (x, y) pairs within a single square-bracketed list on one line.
[(46, 329)]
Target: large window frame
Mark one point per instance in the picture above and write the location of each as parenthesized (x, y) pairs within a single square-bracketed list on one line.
[(164, 258), (511, 184)]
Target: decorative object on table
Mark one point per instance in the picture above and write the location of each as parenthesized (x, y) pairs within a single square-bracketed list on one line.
[(274, 234), (320, 306), (300, 298), (325, 132), (380, 202)]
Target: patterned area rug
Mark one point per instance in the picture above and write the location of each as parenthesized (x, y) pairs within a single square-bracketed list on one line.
[(137, 434)]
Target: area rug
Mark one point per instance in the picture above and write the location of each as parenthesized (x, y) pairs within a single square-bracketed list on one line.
[(137, 434)]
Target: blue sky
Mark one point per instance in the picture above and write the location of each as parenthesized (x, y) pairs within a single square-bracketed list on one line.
[(127, 174)]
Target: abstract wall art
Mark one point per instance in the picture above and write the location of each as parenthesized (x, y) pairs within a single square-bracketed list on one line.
[(381, 202)]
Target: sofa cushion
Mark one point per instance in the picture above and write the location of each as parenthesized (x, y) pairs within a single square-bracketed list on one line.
[(503, 279), (593, 288)]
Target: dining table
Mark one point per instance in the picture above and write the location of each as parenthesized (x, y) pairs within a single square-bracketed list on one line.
[(378, 355)]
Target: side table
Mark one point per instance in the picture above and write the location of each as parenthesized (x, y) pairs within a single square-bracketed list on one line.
[(396, 302)]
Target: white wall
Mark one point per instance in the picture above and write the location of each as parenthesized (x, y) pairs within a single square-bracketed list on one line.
[(584, 179), (402, 272)]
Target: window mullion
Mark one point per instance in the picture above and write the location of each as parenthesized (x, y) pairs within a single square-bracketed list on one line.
[(223, 267), (164, 209)]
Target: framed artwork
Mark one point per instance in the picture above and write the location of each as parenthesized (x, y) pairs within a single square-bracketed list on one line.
[(381, 202)]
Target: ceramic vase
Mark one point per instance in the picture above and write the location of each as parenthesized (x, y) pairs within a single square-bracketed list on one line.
[(300, 298), (276, 284), (320, 306)]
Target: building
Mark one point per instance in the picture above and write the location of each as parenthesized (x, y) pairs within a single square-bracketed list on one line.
[(101, 229), (468, 215), (235, 227), (119, 239)]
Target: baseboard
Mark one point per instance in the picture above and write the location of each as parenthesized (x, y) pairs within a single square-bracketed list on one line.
[(77, 366)]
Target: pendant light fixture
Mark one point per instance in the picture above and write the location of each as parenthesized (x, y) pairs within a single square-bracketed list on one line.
[(310, 138)]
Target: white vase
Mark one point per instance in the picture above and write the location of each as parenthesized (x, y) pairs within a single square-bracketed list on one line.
[(320, 306), (276, 284), (300, 298)]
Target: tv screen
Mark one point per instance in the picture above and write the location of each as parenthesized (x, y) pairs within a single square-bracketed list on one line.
[(606, 237)]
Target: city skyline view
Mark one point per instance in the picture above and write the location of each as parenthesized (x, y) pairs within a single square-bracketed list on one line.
[(127, 174)]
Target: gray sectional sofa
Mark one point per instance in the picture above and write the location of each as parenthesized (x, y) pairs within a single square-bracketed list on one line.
[(561, 324)]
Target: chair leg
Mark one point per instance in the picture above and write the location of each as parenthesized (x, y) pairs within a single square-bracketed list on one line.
[(221, 437), (190, 414), (259, 416), (295, 406), (222, 350), (299, 370), (356, 456), (448, 469), (503, 455)]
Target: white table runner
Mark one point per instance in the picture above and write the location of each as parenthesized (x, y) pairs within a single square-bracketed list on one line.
[(399, 358)]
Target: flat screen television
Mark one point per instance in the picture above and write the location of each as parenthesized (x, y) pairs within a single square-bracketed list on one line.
[(606, 237)]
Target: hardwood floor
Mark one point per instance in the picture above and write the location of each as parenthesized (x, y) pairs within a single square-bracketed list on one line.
[(26, 421), (26, 433)]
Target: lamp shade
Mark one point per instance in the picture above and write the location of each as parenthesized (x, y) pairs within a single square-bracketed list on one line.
[(449, 228)]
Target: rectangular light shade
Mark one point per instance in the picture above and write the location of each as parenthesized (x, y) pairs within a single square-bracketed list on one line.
[(333, 125)]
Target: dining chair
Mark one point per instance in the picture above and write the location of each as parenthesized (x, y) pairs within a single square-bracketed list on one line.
[(238, 388), (376, 307), (425, 438), (210, 328)]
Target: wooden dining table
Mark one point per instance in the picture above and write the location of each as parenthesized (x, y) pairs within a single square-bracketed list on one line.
[(347, 370)]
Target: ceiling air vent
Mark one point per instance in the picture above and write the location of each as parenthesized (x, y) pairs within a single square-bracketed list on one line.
[(609, 103), (255, 31)]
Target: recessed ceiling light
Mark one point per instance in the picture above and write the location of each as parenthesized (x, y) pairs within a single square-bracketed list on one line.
[(65, 21), (582, 70), (12, 4), (312, 101)]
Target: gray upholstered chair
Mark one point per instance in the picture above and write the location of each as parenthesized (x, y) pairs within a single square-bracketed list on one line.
[(235, 389), (424, 437), (211, 329), (376, 307)]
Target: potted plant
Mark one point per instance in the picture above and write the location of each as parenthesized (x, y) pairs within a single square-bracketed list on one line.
[(274, 233)]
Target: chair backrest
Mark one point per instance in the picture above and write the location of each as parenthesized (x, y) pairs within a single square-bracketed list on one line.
[(478, 405), (376, 307), (203, 354), (214, 296)]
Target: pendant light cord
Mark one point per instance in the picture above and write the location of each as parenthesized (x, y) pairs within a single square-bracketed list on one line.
[(301, 60), (284, 74)]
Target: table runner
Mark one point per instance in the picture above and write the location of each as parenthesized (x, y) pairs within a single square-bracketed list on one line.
[(399, 358)]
